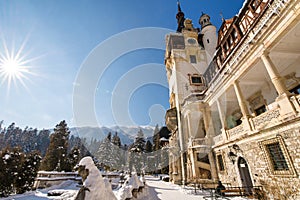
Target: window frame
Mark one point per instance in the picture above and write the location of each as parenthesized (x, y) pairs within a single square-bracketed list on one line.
[(191, 76), (279, 172), (220, 168)]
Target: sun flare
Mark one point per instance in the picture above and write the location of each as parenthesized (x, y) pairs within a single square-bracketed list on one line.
[(13, 66)]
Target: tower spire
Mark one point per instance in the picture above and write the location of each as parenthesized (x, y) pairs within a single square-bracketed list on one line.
[(178, 5), (180, 18)]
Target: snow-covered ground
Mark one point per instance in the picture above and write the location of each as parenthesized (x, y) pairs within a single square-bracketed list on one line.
[(160, 190), (68, 189), (155, 189)]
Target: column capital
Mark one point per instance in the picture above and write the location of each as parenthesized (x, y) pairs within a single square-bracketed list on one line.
[(236, 82), (265, 52)]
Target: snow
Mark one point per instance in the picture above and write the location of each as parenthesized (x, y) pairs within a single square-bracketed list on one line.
[(68, 189), (98, 188), (56, 173), (155, 189), (6, 156)]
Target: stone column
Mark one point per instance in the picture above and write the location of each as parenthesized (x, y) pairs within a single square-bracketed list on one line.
[(222, 119), (242, 104), (287, 108), (241, 99), (274, 75), (213, 167), (170, 166), (221, 114), (192, 156)]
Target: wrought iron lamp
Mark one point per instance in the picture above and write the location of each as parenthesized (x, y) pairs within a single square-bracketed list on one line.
[(236, 147), (232, 156)]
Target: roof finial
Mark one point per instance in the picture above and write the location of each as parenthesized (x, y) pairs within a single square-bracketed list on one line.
[(180, 18), (178, 4)]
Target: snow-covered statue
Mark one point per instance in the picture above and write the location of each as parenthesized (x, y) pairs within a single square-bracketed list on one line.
[(94, 187)]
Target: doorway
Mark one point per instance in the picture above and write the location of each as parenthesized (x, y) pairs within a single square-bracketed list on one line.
[(245, 174)]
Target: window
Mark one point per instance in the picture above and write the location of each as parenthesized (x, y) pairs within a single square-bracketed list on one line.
[(255, 4), (230, 41), (196, 79), (257, 103), (176, 42), (202, 158), (193, 59), (207, 41), (260, 110), (220, 162), (234, 34), (277, 157)]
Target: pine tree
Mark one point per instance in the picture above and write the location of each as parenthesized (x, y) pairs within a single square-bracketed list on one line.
[(109, 136), (29, 171), (156, 137), (74, 157), (10, 171), (137, 150), (118, 152), (116, 140), (104, 154), (43, 141), (139, 142), (17, 171), (56, 155), (148, 147)]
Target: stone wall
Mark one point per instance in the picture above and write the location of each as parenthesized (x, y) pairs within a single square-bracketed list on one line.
[(277, 185)]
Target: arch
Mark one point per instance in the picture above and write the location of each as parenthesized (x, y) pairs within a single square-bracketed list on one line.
[(245, 174)]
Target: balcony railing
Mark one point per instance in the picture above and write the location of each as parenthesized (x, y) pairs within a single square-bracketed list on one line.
[(197, 142), (234, 132), (296, 102), (266, 119), (218, 139), (264, 17)]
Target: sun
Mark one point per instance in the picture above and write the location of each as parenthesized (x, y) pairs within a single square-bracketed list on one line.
[(14, 67), (11, 68)]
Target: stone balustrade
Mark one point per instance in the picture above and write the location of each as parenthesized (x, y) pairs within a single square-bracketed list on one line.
[(296, 102), (196, 142), (234, 132), (218, 139), (265, 119)]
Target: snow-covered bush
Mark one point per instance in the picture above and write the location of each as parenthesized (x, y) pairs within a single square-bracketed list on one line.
[(96, 188)]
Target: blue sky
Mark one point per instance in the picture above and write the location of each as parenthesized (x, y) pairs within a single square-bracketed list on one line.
[(57, 38)]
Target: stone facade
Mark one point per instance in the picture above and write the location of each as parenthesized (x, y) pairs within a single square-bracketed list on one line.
[(253, 150), (240, 124)]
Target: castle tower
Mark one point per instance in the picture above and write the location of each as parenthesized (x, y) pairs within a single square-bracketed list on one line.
[(186, 61), (209, 36)]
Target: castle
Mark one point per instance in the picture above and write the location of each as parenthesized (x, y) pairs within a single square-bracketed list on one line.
[(234, 99)]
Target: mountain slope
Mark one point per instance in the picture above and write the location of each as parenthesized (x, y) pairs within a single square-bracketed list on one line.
[(126, 134)]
